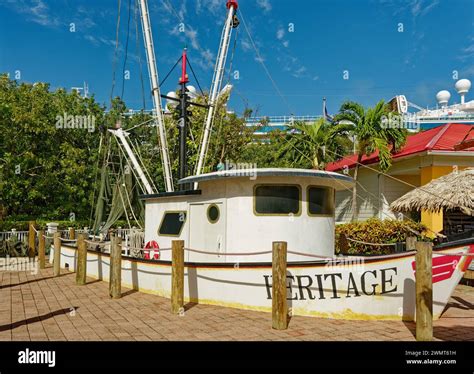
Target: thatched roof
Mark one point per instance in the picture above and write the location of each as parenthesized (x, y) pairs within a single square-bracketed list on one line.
[(449, 192)]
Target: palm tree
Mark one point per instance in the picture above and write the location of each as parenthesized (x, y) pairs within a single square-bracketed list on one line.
[(313, 144), (370, 136)]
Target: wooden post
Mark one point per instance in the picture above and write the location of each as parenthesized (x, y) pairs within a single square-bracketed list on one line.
[(177, 276), (31, 239), (410, 243), (72, 233), (279, 302), (115, 284), (81, 266), (424, 292), (343, 244), (41, 249), (57, 254)]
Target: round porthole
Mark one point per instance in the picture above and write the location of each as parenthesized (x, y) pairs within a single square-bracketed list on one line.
[(213, 213)]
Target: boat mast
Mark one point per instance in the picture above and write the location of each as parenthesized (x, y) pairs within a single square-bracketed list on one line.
[(232, 6), (121, 135), (150, 53)]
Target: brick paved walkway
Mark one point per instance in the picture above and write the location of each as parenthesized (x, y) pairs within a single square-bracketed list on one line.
[(38, 307)]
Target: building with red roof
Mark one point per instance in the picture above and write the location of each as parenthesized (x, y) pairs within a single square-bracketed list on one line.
[(426, 156)]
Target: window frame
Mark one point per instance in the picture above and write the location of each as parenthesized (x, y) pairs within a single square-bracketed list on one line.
[(300, 200), (218, 214), (333, 203), (163, 218)]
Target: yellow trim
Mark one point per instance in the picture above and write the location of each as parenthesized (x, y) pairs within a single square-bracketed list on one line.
[(332, 202), (277, 214), (163, 218), (212, 222)]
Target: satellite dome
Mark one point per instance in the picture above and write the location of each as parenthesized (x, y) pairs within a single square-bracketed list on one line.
[(443, 97), (192, 92), (463, 86), (172, 103)]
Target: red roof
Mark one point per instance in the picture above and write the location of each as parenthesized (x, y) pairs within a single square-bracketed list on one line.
[(441, 138)]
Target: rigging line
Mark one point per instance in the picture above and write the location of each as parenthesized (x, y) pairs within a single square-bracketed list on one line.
[(232, 55), (139, 54), (140, 124), (120, 192), (169, 73), (197, 80), (126, 47), (128, 197), (382, 211), (349, 189), (402, 181), (114, 63), (261, 61), (129, 164), (136, 148), (95, 177)]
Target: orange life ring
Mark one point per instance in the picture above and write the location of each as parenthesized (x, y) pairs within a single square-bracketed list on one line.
[(152, 250)]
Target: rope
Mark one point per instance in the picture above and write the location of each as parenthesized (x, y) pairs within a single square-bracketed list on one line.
[(375, 244), (126, 48), (114, 63), (309, 255), (260, 59), (227, 254), (67, 240)]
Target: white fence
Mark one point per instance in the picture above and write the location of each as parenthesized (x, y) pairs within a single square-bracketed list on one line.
[(21, 235)]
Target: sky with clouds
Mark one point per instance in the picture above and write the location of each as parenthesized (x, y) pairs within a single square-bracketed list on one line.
[(289, 54)]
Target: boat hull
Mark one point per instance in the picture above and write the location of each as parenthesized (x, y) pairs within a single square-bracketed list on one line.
[(382, 287)]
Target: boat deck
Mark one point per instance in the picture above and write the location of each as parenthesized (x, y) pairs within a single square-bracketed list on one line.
[(40, 307)]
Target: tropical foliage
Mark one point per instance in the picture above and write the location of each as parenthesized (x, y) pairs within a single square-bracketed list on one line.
[(377, 231), (370, 135)]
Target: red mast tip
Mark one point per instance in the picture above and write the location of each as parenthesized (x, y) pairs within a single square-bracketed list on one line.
[(232, 3)]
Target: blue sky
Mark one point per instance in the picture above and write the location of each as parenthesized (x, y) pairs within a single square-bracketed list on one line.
[(305, 45)]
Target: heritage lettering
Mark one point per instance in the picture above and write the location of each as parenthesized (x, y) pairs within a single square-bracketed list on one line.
[(338, 285)]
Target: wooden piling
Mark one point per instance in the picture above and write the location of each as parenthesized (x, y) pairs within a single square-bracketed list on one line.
[(410, 242), (177, 276), (115, 284), (72, 233), (57, 254), (31, 239), (81, 267), (279, 302), (424, 292), (41, 249)]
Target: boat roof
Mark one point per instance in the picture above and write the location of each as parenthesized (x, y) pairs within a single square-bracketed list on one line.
[(267, 172)]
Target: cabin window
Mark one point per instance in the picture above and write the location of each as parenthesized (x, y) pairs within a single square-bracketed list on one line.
[(213, 213), (172, 223), (275, 199), (320, 201)]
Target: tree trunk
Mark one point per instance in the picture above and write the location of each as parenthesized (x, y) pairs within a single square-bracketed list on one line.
[(355, 212)]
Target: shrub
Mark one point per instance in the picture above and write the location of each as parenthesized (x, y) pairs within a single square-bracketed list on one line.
[(377, 231)]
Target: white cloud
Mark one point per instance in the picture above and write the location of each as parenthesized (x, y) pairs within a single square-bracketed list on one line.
[(286, 43), (280, 33), (35, 11), (265, 5)]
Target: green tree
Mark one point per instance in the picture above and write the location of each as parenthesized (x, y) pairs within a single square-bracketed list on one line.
[(313, 145), (371, 136)]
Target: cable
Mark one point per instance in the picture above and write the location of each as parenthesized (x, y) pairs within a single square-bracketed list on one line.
[(126, 47), (197, 80), (169, 73), (139, 54), (260, 59), (114, 63)]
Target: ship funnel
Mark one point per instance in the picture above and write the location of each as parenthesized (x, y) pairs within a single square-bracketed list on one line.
[(462, 87), (443, 97)]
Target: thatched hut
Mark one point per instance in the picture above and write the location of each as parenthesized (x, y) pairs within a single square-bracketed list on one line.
[(452, 194)]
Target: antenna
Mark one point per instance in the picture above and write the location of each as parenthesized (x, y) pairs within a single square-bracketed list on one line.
[(462, 87)]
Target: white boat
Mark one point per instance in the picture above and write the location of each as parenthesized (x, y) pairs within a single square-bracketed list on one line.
[(228, 225)]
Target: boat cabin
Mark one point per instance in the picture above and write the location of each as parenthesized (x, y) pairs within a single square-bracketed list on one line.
[(235, 211)]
